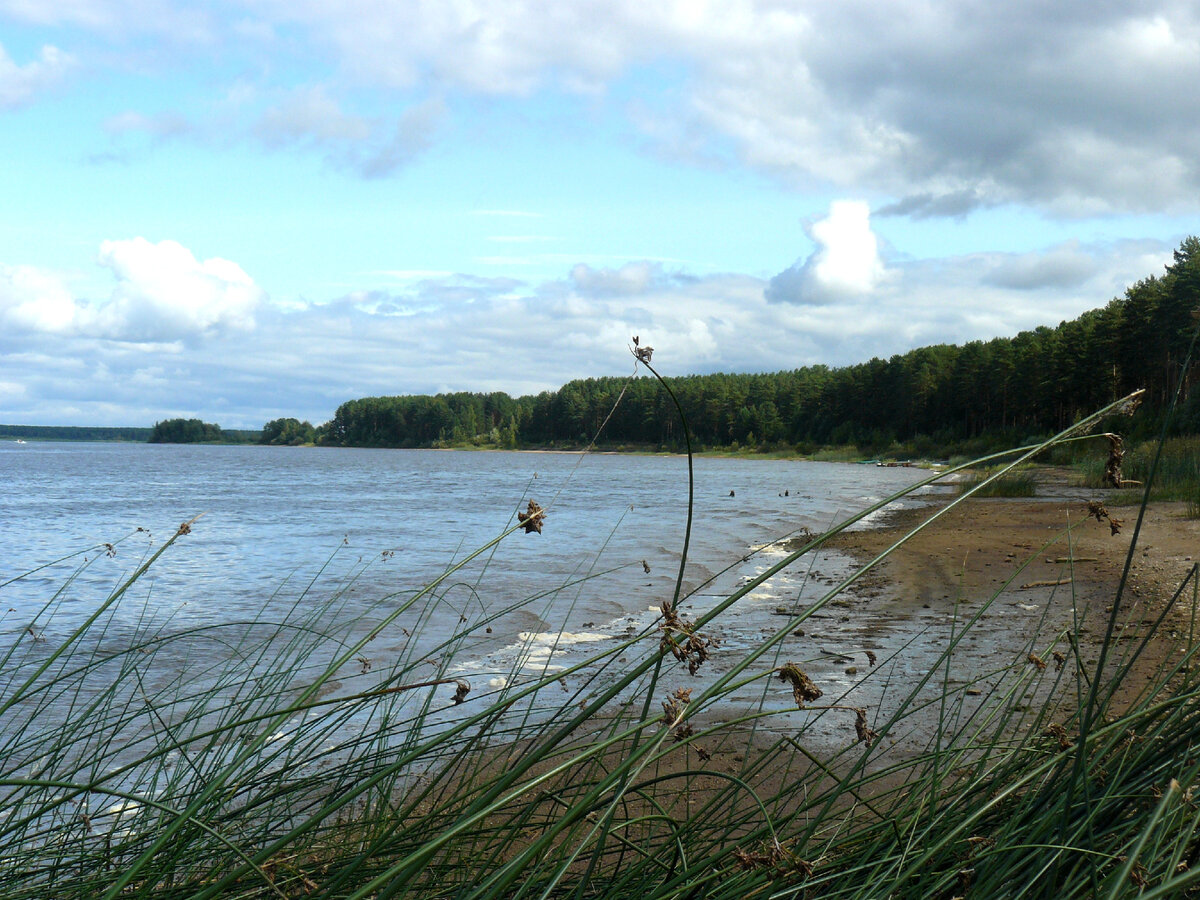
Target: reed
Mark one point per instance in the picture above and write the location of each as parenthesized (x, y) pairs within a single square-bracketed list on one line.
[(1177, 476), (302, 765), (1016, 483)]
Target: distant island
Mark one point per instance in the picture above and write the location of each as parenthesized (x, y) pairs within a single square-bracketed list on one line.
[(194, 431)]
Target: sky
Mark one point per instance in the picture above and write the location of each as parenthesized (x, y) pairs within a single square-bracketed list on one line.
[(247, 209)]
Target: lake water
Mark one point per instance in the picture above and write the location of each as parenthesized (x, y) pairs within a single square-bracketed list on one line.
[(286, 528)]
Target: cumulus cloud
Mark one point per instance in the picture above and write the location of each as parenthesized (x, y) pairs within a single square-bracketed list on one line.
[(33, 300), (164, 293), (845, 265), (19, 84)]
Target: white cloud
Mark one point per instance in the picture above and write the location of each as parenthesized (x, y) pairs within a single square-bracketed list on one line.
[(1071, 107), (847, 261), (19, 84), (1068, 106), (185, 22), (844, 266), (164, 293), (33, 300)]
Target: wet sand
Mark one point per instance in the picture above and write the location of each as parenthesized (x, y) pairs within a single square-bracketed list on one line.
[(1043, 559), (1030, 570)]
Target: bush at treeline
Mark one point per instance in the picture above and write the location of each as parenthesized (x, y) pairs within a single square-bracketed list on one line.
[(1038, 381)]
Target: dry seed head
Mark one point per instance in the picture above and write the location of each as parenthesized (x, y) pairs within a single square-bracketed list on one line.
[(1057, 731), (460, 693), (865, 733), (532, 518), (1037, 661), (689, 647), (803, 688)]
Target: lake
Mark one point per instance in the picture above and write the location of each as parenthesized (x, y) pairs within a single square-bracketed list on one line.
[(354, 532)]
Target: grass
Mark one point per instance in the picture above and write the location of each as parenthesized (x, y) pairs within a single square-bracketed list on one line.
[(1176, 478), (283, 766), (1014, 483)]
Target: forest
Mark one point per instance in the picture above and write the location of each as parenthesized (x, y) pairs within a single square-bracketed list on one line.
[(996, 391), (194, 431)]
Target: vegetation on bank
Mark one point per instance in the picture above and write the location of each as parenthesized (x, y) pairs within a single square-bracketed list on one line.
[(298, 761), (72, 433)]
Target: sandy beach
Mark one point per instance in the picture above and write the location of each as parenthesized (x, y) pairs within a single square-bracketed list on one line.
[(1042, 557), (1029, 571)]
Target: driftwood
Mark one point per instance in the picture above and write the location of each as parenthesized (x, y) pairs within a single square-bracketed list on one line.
[(1054, 583)]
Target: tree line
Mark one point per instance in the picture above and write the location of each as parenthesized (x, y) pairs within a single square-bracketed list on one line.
[(195, 431), (1004, 389)]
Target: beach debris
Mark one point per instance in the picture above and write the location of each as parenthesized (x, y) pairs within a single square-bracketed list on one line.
[(865, 733), (1060, 733), (645, 567), (1053, 582), (732, 494), (460, 694), (532, 518), (1097, 509), (870, 657), (803, 689), (680, 639)]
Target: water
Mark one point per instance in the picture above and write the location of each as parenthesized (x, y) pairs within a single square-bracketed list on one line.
[(285, 529)]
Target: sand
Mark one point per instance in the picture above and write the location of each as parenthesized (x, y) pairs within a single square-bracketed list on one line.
[(1041, 566)]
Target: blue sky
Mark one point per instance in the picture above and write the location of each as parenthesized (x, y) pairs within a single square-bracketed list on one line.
[(257, 208)]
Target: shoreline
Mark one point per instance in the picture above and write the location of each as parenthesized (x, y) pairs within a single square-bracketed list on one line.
[(1030, 568)]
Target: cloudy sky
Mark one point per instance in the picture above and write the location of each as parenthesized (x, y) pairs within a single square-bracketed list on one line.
[(246, 209)]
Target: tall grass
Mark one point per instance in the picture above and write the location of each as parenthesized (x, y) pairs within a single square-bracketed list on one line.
[(284, 766), (1014, 483), (1176, 478)]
